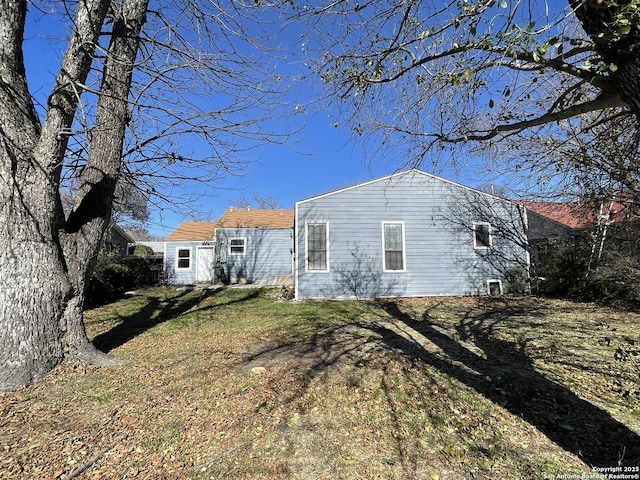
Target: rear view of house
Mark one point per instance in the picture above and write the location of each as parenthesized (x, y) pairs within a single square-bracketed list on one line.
[(408, 234), (255, 246), (189, 254), (244, 246)]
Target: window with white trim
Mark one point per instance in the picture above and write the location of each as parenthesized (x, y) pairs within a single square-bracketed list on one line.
[(393, 246), (494, 287), (317, 241), (237, 246), (482, 237), (183, 258)]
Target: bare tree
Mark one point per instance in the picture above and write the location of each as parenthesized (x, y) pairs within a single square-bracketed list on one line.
[(123, 105), (258, 201), (130, 204), (586, 161)]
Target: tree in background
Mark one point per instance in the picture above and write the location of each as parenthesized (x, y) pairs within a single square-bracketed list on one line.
[(257, 201), (134, 84), (130, 205)]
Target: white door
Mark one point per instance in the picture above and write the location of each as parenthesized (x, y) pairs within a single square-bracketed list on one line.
[(204, 264)]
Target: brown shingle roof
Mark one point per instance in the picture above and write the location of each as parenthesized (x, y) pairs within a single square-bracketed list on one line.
[(249, 218), (192, 231)]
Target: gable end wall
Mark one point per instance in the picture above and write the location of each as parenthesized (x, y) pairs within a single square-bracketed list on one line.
[(440, 257)]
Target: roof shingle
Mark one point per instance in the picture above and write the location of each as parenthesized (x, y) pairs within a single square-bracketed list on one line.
[(192, 231), (261, 218)]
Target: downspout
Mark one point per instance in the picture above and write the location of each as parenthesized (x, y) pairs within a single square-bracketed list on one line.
[(527, 247), (294, 257)]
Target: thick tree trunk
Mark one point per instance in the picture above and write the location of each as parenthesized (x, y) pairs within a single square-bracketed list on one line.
[(601, 22), (33, 293), (90, 217), (34, 287)]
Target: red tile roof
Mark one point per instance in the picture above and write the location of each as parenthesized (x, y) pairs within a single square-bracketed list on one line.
[(576, 215)]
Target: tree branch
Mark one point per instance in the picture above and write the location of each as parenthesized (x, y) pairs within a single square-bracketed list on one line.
[(599, 103)]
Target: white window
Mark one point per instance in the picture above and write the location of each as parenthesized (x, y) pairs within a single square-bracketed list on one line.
[(494, 287), (393, 246), (183, 258), (237, 246), (317, 243), (482, 235)]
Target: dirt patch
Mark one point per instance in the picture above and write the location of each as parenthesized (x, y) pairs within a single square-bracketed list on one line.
[(346, 345)]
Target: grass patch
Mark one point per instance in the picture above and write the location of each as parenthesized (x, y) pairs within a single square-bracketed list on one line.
[(233, 384)]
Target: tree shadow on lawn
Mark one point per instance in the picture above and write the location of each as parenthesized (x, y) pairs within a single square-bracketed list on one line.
[(158, 310), (508, 378)]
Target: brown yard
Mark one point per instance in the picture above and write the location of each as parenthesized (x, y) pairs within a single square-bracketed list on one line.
[(235, 384)]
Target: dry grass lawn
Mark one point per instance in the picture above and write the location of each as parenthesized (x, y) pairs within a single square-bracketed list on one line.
[(235, 384)]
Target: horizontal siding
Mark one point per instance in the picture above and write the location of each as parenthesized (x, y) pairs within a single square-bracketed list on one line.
[(440, 256), (174, 275), (268, 252)]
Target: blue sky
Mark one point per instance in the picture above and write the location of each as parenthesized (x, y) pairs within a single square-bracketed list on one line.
[(319, 158)]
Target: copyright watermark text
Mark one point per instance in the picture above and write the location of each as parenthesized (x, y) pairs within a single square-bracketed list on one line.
[(599, 473)]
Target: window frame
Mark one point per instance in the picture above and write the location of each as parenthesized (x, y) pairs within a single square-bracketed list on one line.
[(189, 258), (308, 250), (384, 248), (497, 282), (476, 244), (244, 246)]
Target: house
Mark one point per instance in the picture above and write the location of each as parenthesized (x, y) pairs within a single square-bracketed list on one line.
[(406, 235), (116, 241), (189, 253), (255, 246), (549, 220), (243, 246), (610, 225)]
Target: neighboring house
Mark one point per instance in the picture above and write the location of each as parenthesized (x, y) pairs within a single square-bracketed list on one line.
[(609, 225), (116, 241), (244, 246), (549, 220), (406, 235), (189, 254)]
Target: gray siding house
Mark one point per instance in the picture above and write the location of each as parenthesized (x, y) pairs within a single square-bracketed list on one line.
[(409, 234), (116, 241), (255, 246), (244, 246), (188, 254)]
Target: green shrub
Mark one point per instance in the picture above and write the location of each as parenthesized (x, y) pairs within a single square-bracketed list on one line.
[(142, 250), (563, 266), (616, 283), (113, 275), (516, 280), (564, 272)]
